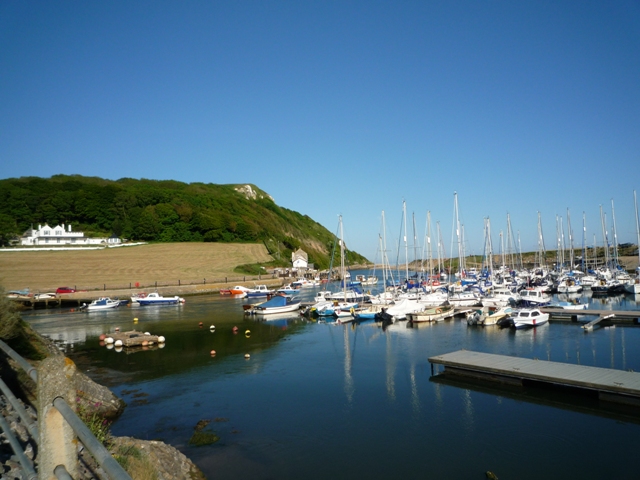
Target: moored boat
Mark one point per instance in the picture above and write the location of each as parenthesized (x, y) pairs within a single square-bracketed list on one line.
[(436, 314), (278, 304), (157, 299), (529, 317), (104, 303)]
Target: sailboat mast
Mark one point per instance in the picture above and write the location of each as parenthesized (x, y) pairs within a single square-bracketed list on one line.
[(344, 276), (406, 246), (615, 236), (570, 240), (635, 201), (429, 250)]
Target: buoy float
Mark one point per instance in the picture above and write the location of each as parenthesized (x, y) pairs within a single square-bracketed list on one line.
[(247, 332), (108, 340), (135, 320), (147, 333), (213, 353), (118, 349), (109, 346), (161, 339), (117, 329), (235, 329), (118, 343), (246, 355), (200, 324), (145, 343), (102, 337), (212, 327)]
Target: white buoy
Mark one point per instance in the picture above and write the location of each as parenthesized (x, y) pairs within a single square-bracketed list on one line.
[(118, 349), (109, 346), (246, 355), (161, 339), (212, 327), (147, 333), (108, 340), (118, 343)]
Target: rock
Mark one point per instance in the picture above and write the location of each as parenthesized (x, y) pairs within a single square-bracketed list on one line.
[(167, 462)]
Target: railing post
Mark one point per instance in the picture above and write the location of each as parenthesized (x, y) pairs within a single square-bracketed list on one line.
[(58, 443)]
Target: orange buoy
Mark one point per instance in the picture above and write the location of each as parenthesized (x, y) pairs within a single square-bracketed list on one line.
[(102, 337), (213, 353)]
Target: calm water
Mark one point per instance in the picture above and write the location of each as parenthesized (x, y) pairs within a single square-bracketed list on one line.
[(321, 401)]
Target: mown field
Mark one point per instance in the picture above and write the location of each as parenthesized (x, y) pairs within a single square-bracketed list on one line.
[(44, 271)]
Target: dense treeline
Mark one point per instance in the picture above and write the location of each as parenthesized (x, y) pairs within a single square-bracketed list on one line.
[(162, 211)]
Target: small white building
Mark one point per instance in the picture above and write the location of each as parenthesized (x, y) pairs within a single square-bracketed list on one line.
[(46, 235), (300, 259)]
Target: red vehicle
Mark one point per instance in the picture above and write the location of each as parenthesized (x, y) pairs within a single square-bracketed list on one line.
[(65, 290)]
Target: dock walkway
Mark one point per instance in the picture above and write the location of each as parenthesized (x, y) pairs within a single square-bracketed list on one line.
[(611, 385)]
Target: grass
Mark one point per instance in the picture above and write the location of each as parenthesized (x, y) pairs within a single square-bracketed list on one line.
[(44, 271)]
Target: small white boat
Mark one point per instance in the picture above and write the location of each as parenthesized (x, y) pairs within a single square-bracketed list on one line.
[(529, 317), (569, 305), (260, 291), (278, 304), (104, 303), (157, 299)]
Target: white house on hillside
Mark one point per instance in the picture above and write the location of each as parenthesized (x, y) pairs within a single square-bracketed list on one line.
[(300, 259), (46, 235)]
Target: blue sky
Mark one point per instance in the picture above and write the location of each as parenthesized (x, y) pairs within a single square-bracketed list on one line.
[(340, 107)]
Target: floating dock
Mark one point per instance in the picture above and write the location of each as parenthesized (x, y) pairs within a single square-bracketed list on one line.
[(609, 384)]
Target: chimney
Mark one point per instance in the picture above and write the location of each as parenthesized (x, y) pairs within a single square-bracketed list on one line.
[(69, 227)]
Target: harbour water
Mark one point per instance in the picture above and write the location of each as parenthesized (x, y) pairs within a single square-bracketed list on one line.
[(319, 400)]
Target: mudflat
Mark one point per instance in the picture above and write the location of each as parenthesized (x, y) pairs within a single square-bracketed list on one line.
[(44, 271)]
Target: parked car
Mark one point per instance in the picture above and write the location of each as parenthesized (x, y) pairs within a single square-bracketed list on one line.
[(65, 290)]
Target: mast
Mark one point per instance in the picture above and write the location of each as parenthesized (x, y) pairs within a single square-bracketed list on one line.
[(635, 201), (429, 250), (406, 247), (541, 249), (570, 240), (615, 237), (343, 273)]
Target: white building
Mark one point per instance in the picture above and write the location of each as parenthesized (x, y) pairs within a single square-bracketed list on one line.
[(300, 259), (46, 235)]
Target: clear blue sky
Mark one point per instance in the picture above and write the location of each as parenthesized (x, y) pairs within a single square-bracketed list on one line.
[(340, 107)]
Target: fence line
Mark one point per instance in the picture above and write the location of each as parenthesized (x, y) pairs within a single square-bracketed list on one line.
[(113, 469)]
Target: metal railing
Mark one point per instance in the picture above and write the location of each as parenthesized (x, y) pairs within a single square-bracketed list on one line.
[(113, 469)]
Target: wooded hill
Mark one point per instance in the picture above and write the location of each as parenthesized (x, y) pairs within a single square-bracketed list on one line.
[(163, 211)]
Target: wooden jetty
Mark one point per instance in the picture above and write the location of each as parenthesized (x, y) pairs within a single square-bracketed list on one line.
[(609, 384)]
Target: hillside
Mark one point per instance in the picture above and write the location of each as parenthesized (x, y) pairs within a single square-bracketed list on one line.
[(163, 211)]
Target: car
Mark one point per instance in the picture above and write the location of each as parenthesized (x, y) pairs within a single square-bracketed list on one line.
[(65, 290)]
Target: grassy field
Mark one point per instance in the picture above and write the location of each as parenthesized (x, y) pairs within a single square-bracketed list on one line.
[(44, 271)]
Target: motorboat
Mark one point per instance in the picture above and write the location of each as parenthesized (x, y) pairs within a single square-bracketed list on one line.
[(489, 315), (103, 303), (436, 314), (157, 299), (535, 296), (569, 305), (529, 317), (260, 291), (239, 290), (278, 304)]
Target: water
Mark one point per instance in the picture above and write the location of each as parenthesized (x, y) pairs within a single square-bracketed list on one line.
[(323, 401)]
